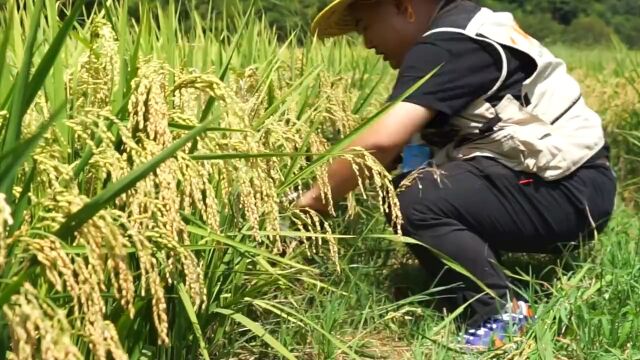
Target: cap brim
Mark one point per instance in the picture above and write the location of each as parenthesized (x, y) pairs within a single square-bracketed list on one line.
[(334, 20)]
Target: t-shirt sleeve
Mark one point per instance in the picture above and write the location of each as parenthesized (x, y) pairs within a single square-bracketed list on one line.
[(470, 69)]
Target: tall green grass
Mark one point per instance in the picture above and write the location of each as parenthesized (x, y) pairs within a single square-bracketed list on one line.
[(263, 301)]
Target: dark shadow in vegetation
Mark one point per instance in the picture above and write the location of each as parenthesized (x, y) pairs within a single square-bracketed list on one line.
[(409, 279)]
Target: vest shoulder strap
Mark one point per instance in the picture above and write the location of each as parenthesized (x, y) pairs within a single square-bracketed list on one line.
[(503, 56)]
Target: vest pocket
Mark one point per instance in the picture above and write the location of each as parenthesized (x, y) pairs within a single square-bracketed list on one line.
[(524, 141), (532, 136), (520, 139)]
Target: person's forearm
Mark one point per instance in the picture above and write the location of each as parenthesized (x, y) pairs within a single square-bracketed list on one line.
[(384, 139)]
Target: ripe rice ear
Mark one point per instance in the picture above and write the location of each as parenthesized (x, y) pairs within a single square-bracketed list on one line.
[(38, 329), (5, 221)]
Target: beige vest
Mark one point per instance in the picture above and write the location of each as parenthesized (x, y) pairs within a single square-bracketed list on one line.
[(552, 136)]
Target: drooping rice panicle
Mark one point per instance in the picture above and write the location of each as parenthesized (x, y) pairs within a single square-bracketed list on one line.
[(38, 330), (5, 221)]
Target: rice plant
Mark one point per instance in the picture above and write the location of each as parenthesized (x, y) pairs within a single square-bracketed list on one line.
[(144, 172)]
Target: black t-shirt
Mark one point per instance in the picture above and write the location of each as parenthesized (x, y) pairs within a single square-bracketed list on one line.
[(470, 69)]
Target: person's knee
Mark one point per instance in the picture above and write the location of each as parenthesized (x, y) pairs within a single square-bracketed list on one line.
[(420, 209)]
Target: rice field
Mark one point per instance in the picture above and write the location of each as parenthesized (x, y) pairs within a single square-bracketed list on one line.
[(145, 172)]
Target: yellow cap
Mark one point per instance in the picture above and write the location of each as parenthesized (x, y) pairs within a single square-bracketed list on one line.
[(334, 20)]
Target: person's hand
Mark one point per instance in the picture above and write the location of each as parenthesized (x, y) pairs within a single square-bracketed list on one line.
[(312, 200)]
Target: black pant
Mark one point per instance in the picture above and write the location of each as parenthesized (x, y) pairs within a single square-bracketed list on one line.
[(476, 207)]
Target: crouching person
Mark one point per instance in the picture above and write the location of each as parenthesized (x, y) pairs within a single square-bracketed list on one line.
[(520, 161)]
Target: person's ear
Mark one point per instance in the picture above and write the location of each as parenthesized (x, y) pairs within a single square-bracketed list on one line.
[(405, 8)]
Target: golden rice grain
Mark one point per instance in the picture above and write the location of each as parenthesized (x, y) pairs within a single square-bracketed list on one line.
[(5, 215), (38, 330), (5, 219), (99, 68)]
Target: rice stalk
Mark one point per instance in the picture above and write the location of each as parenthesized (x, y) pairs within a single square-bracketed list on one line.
[(255, 180), (105, 263), (138, 245), (153, 206)]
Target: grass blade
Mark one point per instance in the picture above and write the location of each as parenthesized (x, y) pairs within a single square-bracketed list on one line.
[(191, 313), (445, 259), (290, 314), (4, 45), (258, 330), (50, 56), (13, 158), (19, 104)]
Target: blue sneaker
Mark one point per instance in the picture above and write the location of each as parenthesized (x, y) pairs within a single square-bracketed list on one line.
[(494, 331)]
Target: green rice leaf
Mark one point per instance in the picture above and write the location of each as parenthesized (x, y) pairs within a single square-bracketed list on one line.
[(243, 247), (12, 159), (236, 41), (12, 287), (5, 41), (22, 203), (177, 126), (301, 83), (231, 156), (191, 313), (19, 104), (292, 315), (48, 60), (258, 330), (366, 98)]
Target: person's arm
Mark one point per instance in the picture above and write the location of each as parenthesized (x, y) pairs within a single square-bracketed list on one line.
[(384, 139)]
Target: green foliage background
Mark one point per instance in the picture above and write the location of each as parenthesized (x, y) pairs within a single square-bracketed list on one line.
[(263, 304), (549, 20)]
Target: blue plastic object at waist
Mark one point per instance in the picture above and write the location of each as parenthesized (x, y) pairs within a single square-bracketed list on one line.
[(414, 156)]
